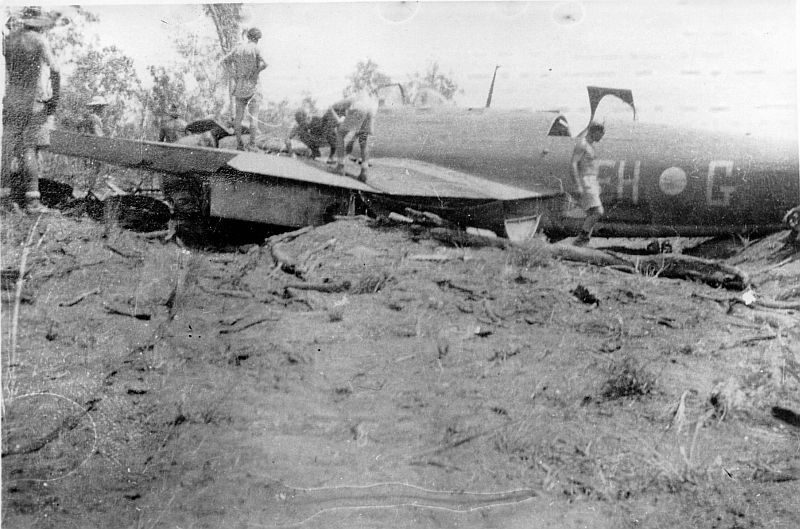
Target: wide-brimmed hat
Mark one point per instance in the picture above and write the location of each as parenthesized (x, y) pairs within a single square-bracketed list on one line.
[(254, 34), (33, 17), (97, 101)]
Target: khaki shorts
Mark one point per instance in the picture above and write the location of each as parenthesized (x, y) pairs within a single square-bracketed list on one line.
[(591, 193), (23, 130)]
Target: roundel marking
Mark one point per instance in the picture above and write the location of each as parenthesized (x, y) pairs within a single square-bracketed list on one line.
[(672, 181)]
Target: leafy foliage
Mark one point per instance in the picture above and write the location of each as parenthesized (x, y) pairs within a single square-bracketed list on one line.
[(367, 77), (432, 88), (195, 84), (107, 72), (227, 19)]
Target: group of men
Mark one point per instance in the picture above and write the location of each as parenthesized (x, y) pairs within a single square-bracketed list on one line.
[(343, 123), (32, 96), (338, 128)]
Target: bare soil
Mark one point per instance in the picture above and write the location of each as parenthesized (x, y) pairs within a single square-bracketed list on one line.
[(150, 385)]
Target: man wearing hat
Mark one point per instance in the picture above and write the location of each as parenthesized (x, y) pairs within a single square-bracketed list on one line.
[(244, 63), (173, 128), (27, 106), (94, 121)]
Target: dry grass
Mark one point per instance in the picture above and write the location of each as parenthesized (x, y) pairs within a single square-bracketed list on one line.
[(532, 256), (628, 378)]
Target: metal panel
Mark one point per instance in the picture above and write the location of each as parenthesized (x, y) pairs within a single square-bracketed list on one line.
[(293, 169), (396, 176), (274, 200)]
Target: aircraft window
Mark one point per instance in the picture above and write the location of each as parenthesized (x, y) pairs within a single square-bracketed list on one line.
[(559, 127)]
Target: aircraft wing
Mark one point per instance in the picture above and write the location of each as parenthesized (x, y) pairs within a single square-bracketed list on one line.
[(275, 189), (458, 197), (165, 157)]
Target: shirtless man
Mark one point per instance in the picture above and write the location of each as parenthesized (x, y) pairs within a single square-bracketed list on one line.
[(584, 172), (245, 64), (355, 116), (27, 106)]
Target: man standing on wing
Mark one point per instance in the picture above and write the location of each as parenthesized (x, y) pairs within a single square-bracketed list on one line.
[(355, 116), (27, 106), (245, 63), (584, 172)]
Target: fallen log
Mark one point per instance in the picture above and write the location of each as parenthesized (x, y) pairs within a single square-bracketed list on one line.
[(462, 238), (139, 314), (306, 256), (285, 261), (662, 265), (586, 255), (246, 323), (79, 298), (428, 219), (166, 234), (789, 294), (288, 236), (332, 287), (688, 267), (359, 218), (765, 303), (244, 294), (438, 257), (784, 305)]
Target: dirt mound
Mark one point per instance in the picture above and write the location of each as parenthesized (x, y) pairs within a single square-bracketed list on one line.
[(392, 382)]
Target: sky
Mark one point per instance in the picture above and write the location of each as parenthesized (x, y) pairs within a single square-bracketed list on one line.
[(714, 64)]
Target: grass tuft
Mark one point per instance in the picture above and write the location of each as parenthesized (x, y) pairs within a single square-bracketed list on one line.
[(628, 378)]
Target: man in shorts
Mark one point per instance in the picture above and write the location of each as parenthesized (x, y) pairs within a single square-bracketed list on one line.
[(244, 63), (584, 172), (355, 117), (28, 107)]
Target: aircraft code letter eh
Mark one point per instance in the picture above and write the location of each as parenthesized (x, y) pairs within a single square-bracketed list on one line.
[(672, 181)]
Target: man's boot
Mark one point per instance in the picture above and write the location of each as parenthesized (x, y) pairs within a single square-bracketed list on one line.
[(582, 239), (34, 206)]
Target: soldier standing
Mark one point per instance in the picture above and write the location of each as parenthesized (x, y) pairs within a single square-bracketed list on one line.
[(27, 106), (245, 64)]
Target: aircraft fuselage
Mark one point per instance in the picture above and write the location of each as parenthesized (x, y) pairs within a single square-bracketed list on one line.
[(655, 180)]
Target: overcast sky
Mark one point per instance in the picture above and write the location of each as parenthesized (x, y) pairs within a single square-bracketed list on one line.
[(719, 64)]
